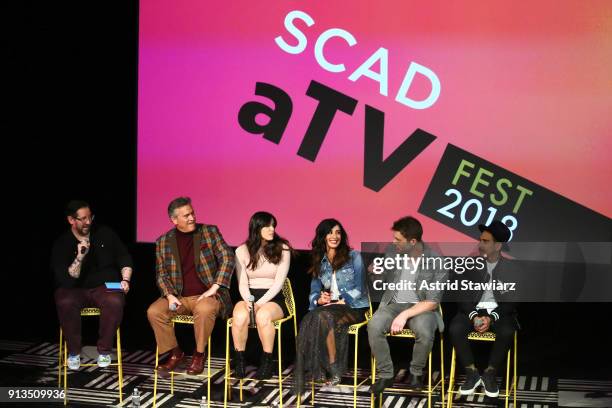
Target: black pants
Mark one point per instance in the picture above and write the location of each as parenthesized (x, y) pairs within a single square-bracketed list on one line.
[(503, 328)]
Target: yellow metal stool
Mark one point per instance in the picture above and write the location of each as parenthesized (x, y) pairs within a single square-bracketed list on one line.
[(184, 319), (63, 357), (353, 330), (290, 303), (488, 336), (409, 334)]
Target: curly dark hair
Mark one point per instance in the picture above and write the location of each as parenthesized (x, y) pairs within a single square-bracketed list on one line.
[(319, 247)]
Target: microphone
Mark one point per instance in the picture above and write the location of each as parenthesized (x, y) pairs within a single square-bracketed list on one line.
[(252, 312), (84, 248)]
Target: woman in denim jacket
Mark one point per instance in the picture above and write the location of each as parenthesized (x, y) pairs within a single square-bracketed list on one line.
[(338, 298)]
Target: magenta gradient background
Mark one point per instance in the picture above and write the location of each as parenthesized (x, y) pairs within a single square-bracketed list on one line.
[(527, 87)]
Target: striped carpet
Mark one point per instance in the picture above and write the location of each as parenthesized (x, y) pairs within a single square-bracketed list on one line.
[(35, 364)]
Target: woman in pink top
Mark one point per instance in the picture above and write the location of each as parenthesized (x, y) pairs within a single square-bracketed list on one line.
[(262, 263)]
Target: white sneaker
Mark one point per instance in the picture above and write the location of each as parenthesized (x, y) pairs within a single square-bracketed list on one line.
[(74, 362), (104, 360)]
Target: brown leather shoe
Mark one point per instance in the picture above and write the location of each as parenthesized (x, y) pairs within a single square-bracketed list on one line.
[(197, 364), (171, 362)]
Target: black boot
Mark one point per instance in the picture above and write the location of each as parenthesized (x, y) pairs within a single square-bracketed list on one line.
[(379, 386), (239, 368), (265, 367), (334, 374)]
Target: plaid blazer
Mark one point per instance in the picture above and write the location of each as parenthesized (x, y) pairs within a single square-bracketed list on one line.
[(214, 264)]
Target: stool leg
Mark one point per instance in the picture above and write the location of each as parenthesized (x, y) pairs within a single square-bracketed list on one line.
[(451, 381), (507, 380), (65, 373), (372, 397), (280, 369), (155, 377), (227, 365), (172, 371), (295, 335), (355, 369), (59, 364), (312, 398), (514, 368), (442, 367), (208, 391), (429, 383), (119, 365)]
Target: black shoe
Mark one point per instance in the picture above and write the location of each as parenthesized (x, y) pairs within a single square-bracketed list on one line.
[(264, 371), (380, 385), (415, 381), (239, 366), (489, 380), (334, 374), (472, 381)]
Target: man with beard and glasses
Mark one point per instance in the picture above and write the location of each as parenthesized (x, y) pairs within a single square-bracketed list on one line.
[(83, 259), (194, 267)]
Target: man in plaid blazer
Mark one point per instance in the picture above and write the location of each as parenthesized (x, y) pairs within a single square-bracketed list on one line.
[(194, 267)]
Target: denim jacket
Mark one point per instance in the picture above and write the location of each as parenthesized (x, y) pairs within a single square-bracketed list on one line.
[(350, 278)]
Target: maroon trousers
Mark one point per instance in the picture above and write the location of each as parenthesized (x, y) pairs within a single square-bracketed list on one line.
[(70, 301)]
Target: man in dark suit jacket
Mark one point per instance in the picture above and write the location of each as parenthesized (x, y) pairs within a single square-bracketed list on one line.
[(486, 310), (194, 267)]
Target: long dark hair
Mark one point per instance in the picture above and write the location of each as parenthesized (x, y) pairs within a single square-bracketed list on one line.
[(319, 247), (272, 250)]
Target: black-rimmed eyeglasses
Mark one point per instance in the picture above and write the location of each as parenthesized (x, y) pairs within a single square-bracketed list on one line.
[(83, 219)]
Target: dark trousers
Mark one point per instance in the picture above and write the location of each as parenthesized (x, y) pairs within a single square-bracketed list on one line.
[(504, 334), (70, 301)]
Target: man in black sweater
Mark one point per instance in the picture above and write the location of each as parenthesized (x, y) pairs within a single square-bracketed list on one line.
[(82, 260), (488, 310)]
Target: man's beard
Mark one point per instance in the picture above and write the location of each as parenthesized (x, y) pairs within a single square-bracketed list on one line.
[(83, 230)]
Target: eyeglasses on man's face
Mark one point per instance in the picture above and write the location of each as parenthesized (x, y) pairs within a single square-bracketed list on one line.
[(89, 218)]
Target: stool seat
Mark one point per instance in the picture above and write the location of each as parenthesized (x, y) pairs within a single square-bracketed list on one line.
[(407, 333), (486, 336)]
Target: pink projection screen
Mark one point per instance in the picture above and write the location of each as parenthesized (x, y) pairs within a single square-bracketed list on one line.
[(454, 112)]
